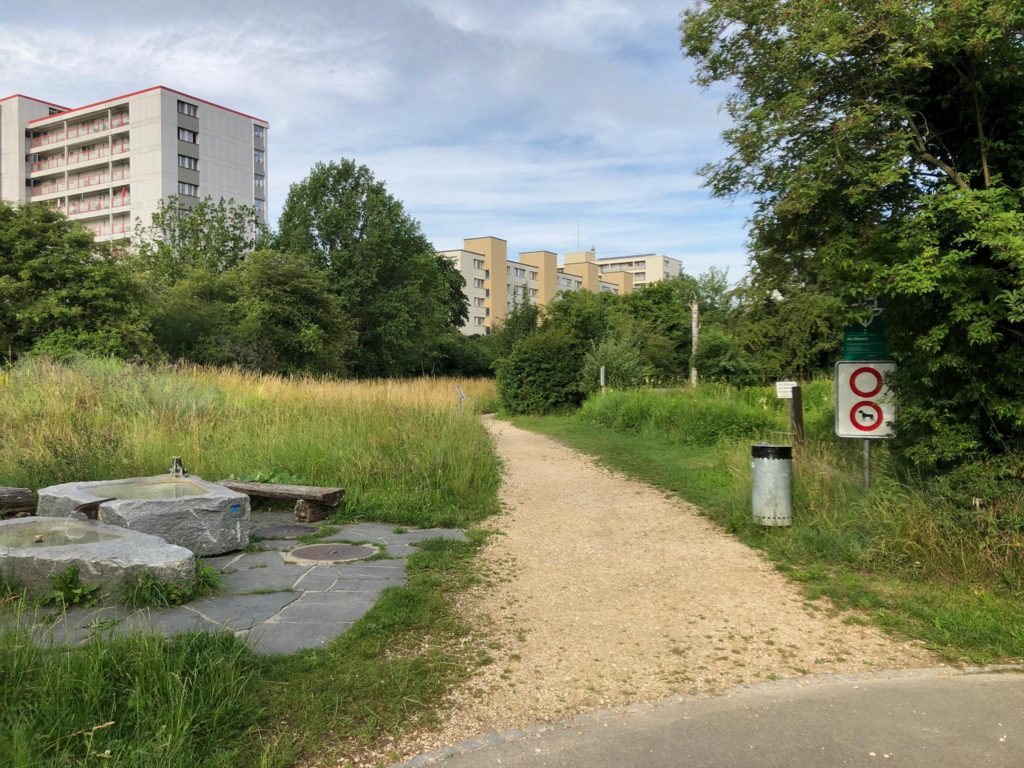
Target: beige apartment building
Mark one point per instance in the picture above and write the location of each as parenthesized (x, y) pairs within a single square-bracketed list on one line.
[(111, 162), (645, 268), (495, 283)]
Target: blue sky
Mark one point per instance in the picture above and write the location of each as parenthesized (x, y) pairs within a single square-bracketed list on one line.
[(524, 119)]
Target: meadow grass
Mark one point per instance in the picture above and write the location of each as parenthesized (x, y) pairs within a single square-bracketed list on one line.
[(911, 559), (400, 449)]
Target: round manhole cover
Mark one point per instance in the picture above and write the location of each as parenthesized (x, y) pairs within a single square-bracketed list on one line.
[(331, 553), (284, 531)]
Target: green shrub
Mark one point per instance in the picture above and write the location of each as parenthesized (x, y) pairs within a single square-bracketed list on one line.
[(623, 362), (541, 374), (695, 417)]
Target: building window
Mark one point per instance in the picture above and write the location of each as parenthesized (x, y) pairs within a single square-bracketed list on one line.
[(192, 163), (478, 282), (259, 132), (639, 275), (533, 275), (184, 188), (478, 321), (478, 263), (261, 208), (533, 292), (260, 181), (257, 157), (477, 301), (188, 109), (184, 134), (520, 272)]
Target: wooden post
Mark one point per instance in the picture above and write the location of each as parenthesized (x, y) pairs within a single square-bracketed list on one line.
[(796, 416), (695, 336), (15, 502)]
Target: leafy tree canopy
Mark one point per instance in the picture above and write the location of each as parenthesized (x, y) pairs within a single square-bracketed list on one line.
[(401, 296), (210, 235), (882, 141), (61, 293)]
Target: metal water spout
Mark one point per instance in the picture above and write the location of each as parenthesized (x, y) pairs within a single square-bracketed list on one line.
[(177, 468)]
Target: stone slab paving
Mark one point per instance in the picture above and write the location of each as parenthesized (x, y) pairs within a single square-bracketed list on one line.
[(278, 607)]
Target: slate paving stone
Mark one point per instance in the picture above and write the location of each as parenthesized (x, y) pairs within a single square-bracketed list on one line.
[(239, 612), (362, 532), (327, 607), (376, 569), (287, 531), (400, 550), (271, 544), (274, 579), (414, 536), (166, 621), (288, 638), (263, 517), (79, 624), (221, 562), (261, 559), (319, 578), (327, 599)]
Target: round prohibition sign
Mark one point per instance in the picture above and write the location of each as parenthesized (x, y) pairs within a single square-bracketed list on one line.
[(866, 416), (875, 388)]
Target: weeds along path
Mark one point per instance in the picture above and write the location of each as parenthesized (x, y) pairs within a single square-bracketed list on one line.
[(605, 591)]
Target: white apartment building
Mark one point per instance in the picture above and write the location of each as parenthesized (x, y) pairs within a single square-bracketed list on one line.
[(111, 162), (645, 268)]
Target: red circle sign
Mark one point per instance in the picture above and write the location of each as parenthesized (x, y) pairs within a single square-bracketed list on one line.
[(866, 393), (866, 416)]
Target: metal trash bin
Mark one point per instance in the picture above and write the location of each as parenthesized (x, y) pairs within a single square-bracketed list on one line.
[(772, 473)]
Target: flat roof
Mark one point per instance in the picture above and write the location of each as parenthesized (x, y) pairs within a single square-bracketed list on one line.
[(32, 98), (67, 112)]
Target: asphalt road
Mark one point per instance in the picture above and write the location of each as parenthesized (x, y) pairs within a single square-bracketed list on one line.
[(924, 718)]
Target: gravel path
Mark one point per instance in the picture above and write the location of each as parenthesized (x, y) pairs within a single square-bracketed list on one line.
[(605, 591)]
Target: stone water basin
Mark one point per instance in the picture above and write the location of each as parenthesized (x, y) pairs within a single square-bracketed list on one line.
[(32, 549), (204, 517)]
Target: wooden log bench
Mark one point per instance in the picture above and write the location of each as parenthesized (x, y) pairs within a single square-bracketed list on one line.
[(312, 503), (16, 502)]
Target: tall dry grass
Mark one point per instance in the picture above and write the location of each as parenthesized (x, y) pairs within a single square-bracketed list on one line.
[(399, 447)]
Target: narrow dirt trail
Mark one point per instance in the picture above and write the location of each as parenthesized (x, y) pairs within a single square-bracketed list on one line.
[(606, 591)]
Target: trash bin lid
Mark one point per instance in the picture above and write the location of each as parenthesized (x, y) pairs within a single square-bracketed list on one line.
[(771, 451)]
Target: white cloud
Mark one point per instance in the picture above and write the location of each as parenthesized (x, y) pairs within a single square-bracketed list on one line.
[(509, 118)]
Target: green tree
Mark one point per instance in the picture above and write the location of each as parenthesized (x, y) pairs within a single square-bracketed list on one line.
[(271, 312), (401, 296), (61, 293), (211, 235), (882, 141)]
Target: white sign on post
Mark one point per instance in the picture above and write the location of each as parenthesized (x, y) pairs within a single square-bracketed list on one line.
[(784, 389), (864, 406)]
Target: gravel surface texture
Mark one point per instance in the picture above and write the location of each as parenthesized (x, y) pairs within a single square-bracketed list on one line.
[(604, 591)]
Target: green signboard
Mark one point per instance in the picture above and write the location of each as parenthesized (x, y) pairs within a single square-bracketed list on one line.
[(860, 343)]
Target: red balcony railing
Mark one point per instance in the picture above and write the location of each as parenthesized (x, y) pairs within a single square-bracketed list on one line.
[(120, 172), (90, 180), (118, 147), (90, 153), (87, 206), (48, 189), (116, 121), (86, 129), (51, 162), (47, 138)]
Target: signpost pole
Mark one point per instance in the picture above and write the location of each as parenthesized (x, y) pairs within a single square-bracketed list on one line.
[(796, 416), (867, 464)]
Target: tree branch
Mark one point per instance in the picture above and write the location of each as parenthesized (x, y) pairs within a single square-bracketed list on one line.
[(981, 135), (927, 157)]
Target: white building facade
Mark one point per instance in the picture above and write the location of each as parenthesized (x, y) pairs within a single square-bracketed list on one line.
[(109, 163)]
